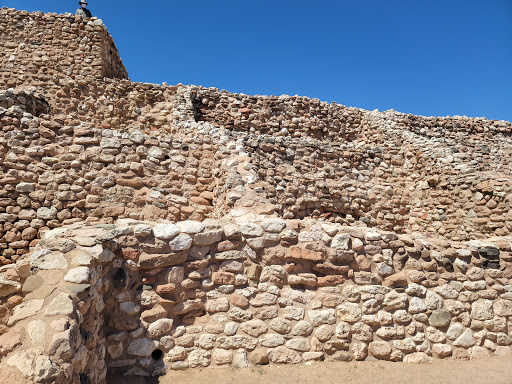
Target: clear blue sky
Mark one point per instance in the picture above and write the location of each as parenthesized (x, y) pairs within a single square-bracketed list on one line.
[(435, 57)]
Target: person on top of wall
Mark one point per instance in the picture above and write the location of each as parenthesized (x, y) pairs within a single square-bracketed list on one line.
[(83, 11)]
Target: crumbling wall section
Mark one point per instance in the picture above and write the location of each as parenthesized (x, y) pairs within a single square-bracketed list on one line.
[(142, 298)]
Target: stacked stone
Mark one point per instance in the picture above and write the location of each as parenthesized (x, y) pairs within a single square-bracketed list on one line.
[(34, 43), (56, 172), (401, 187), (53, 332), (277, 115), (53, 174), (116, 104), (247, 289)]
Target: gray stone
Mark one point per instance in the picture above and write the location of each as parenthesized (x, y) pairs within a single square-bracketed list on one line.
[(57, 244), (440, 319), (349, 312), (395, 300), (272, 340), (302, 328), (24, 310), (283, 355), (319, 317), (254, 328), (341, 242), (418, 358), (433, 301), (61, 305), (380, 349), (190, 227), (36, 331), (217, 305), (482, 310), (465, 340), (222, 356), (281, 325), (142, 347), (416, 305), (273, 225), (454, 331), (48, 260), (199, 358), (33, 364), (251, 230), (301, 344), (503, 307), (25, 187), (159, 328), (142, 230), (209, 237)]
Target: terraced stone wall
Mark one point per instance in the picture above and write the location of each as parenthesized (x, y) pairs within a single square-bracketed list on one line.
[(142, 298), (55, 172)]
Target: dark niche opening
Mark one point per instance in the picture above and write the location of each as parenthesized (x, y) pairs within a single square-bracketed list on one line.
[(157, 354), (120, 278)]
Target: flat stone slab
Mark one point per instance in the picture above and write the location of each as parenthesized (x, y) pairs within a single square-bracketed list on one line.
[(32, 283), (25, 310), (150, 261), (51, 260), (78, 275), (61, 305)]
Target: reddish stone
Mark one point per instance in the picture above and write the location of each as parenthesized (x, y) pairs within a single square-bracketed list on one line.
[(166, 288), (199, 200), (207, 195), (331, 280), (227, 245), (398, 280), (188, 209), (222, 278), (9, 341), (136, 182), (239, 301), (153, 314), (150, 279), (113, 211), (132, 254), (299, 253)]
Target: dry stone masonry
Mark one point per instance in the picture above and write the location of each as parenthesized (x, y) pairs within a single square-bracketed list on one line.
[(147, 228)]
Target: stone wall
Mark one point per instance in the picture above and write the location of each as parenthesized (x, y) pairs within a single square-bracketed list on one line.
[(142, 298), (53, 173), (148, 227), (56, 170), (37, 48)]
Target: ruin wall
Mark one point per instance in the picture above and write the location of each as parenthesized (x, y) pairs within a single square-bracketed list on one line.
[(146, 227), (38, 48), (143, 298), (56, 170)]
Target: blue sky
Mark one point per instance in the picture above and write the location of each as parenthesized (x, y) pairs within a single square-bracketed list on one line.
[(448, 57)]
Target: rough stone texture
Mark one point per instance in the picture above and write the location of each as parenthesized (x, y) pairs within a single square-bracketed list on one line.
[(145, 228)]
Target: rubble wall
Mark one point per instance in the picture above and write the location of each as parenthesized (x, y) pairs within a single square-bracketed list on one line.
[(142, 298), (56, 169), (38, 48), (54, 174)]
